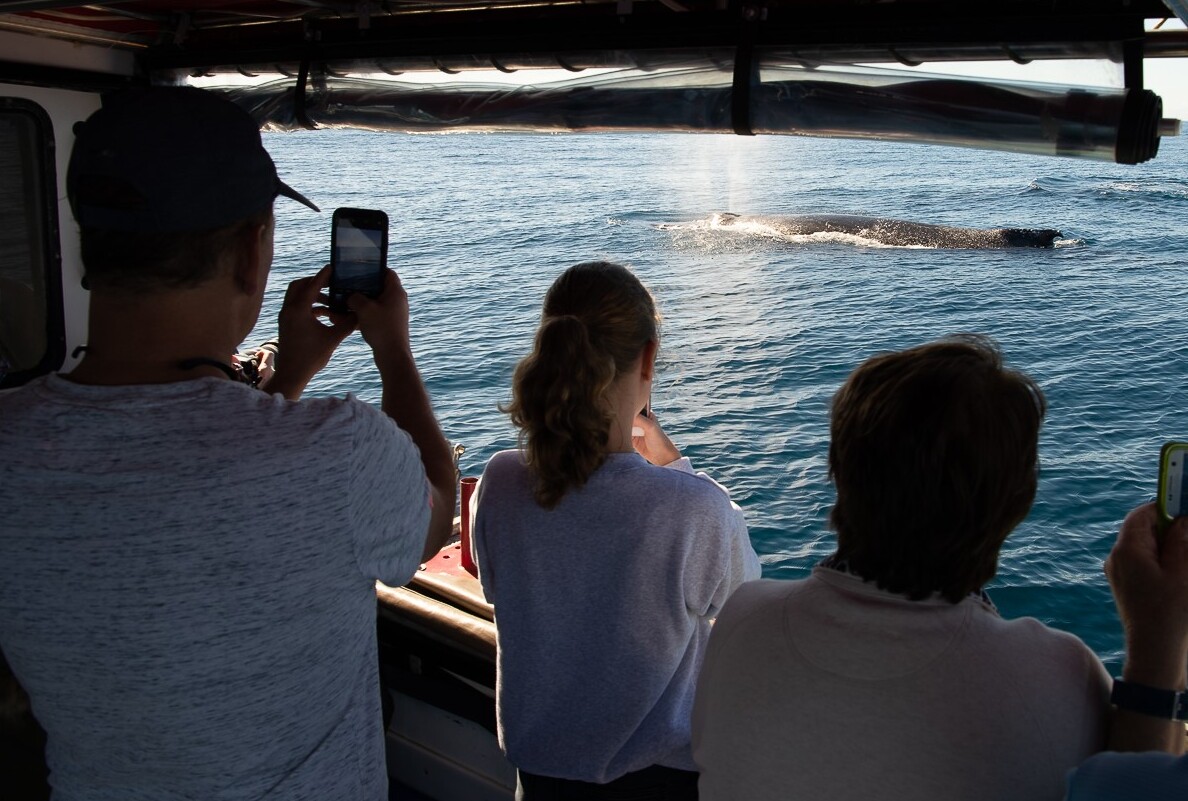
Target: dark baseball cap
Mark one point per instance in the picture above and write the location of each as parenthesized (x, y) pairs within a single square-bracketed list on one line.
[(169, 159)]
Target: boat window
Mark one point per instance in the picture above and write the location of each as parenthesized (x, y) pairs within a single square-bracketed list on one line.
[(32, 333)]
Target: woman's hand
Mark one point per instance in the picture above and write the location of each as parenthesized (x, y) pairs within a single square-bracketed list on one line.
[(652, 443), (265, 366)]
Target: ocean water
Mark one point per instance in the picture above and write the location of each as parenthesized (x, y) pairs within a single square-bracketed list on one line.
[(760, 330)]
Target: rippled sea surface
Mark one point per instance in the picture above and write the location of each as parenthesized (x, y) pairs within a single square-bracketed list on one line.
[(761, 329)]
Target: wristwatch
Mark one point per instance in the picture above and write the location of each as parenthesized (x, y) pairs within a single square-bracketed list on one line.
[(1166, 704)]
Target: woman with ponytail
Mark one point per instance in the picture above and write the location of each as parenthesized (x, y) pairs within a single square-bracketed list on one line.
[(604, 554)]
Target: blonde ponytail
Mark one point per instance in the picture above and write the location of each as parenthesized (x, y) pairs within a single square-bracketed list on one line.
[(596, 320)]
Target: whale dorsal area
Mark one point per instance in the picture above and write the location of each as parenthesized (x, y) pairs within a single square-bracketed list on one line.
[(890, 231)]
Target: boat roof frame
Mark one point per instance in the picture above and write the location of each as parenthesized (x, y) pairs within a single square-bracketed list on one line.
[(175, 36)]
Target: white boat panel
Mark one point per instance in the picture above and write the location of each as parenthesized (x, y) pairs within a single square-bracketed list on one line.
[(44, 50), (64, 108), (444, 756)]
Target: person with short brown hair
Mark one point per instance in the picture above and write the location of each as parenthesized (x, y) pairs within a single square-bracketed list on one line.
[(888, 673), (933, 454)]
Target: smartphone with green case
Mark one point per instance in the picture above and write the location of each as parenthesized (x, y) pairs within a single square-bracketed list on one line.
[(1172, 501)]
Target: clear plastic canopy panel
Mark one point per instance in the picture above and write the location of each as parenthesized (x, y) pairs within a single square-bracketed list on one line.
[(706, 95)]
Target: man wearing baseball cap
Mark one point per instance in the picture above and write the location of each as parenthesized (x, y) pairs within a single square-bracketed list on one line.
[(180, 637)]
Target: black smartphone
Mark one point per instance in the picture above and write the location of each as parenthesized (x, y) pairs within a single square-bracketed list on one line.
[(646, 411), (1172, 501), (358, 254)]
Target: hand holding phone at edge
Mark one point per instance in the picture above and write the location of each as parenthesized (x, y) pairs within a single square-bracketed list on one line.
[(1148, 573), (654, 445), (309, 343)]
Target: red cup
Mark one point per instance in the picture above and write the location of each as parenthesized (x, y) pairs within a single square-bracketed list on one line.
[(467, 485)]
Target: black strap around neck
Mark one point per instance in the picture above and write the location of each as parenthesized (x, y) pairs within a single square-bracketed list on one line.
[(202, 361)]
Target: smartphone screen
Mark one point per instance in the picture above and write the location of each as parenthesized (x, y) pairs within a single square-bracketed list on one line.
[(1173, 480), (358, 253)]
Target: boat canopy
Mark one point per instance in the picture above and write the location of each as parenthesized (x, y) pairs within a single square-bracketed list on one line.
[(767, 66), (1118, 125)]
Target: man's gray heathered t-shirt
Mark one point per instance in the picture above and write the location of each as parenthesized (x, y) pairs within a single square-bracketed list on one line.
[(187, 588)]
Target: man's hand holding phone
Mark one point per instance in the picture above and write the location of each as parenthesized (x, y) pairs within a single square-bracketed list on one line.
[(383, 320), (309, 343)]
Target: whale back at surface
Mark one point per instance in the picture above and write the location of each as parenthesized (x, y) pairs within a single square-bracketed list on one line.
[(897, 232)]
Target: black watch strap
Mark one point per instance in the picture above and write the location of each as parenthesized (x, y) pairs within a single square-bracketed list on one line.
[(1166, 704)]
